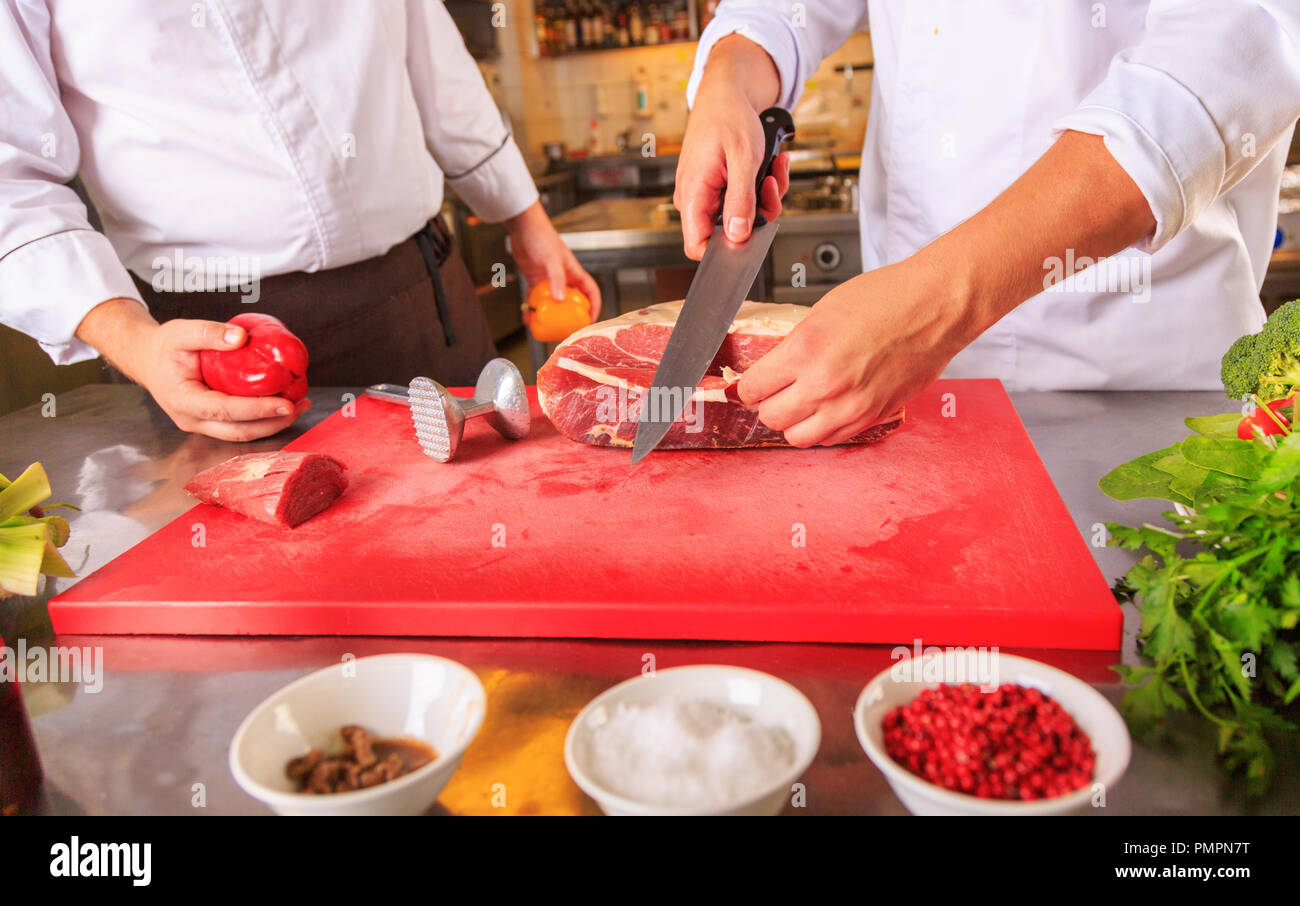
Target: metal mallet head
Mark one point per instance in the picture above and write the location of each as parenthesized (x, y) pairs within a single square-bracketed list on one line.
[(439, 418)]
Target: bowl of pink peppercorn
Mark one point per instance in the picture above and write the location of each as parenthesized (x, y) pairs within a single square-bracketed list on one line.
[(1013, 737)]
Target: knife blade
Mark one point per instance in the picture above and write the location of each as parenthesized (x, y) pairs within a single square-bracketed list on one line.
[(727, 270)]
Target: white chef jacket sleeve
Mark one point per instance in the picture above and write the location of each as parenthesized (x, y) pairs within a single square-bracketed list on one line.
[(53, 267), (797, 36), (1190, 109), (462, 126)]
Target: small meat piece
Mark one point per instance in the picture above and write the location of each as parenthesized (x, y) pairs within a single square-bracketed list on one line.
[(350, 778), (302, 766), (394, 766), (324, 778), (595, 384), (358, 740), (278, 488), (366, 762)]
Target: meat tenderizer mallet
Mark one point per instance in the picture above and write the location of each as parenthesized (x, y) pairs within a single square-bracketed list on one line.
[(439, 417)]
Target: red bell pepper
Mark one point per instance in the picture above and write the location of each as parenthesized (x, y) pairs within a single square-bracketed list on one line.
[(273, 362)]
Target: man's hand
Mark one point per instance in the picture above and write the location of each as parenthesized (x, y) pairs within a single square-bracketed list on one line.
[(867, 347), (164, 359), (541, 255), (877, 340), (723, 146)]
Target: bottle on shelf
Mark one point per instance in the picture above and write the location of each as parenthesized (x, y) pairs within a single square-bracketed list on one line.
[(641, 94), (555, 29), (540, 31), (681, 24), (650, 26), (634, 25), (570, 26), (622, 35)]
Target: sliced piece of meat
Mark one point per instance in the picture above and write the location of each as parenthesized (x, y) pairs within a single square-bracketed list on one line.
[(278, 488), (594, 385)]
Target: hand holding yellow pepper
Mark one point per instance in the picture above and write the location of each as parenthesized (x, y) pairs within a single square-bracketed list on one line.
[(552, 320)]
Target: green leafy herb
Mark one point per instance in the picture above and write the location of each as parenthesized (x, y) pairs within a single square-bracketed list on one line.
[(1214, 425), (1139, 478), (1219, 595)]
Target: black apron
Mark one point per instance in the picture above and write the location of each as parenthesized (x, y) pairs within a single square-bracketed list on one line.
[(411, 311)]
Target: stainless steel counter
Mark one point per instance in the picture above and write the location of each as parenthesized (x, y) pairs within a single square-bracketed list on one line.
[(154, 738), (637, 223)]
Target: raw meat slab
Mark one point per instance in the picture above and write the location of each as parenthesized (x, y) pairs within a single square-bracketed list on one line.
[(950, 532)]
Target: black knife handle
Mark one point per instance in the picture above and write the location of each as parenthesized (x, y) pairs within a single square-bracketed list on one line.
[(778, 128)]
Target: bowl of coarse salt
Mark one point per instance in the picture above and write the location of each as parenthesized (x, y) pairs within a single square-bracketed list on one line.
[(700, 740)]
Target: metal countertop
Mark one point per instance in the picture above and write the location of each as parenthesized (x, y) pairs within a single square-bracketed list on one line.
[(168, 707)]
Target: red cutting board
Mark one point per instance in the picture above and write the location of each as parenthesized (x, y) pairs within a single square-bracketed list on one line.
[(950, 531)]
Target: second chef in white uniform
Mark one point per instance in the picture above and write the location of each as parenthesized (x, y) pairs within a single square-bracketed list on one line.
[(1007, 141)]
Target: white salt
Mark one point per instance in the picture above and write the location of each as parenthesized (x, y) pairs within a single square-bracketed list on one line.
[(687, 753)]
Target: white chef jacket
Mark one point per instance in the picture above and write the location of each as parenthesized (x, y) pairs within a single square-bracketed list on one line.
[(1196, 100), (307, 134)]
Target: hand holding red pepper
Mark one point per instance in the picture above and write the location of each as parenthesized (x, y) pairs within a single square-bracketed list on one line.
[(164, 359), (273, 362)]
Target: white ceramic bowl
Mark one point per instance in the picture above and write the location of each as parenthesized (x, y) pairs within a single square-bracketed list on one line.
[(759, 696), (1090, 710), (420, 696)]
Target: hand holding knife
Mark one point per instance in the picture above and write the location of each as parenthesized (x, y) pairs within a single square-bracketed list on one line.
[(725, 273)]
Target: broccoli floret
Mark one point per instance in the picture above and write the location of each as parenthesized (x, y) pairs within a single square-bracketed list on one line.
[(1242, 366), (1266, 363)]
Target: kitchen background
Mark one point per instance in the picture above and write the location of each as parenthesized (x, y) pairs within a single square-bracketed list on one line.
[(582, 83)]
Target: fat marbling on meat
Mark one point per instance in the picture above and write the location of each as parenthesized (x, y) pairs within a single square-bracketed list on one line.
[(593, 386)]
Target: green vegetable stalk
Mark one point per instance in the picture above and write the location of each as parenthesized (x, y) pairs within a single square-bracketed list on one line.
[(29, 539)]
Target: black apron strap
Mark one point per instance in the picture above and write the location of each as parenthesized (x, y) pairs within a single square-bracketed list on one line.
[(434, 242)]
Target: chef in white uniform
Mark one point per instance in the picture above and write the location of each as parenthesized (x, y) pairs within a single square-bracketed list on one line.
[(1009, 144), (277, 156)]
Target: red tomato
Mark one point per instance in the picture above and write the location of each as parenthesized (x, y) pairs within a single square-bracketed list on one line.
[(1260, 424)]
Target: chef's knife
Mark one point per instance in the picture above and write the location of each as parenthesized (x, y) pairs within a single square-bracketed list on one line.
[(719, 287)]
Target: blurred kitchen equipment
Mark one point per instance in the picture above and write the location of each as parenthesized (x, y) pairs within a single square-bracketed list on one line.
[(439, 417), (20, 766), (556, 153), (1288, 211), (1282, 279), (474, 20), (808, 264)]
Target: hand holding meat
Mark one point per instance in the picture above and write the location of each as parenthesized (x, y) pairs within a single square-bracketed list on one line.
[(164, 359), (867, 347)]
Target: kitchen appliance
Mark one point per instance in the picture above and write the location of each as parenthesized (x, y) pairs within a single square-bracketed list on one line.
[(474, 20), (439, 418), (812, 256), (950, 532), (719, 287)]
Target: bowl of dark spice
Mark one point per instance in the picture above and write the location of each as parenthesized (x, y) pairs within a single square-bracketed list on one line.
[(373, 736)]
